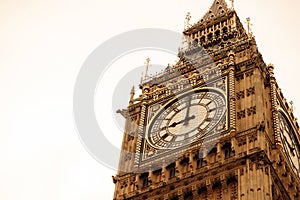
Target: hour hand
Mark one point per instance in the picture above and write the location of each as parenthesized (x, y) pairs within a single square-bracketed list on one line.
[(163, 128), (184, 121), (174, 124)]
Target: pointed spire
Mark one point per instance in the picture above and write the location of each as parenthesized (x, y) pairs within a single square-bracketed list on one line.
[(218, 8)]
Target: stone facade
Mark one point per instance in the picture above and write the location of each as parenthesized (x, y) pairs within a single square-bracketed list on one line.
[(244, 155)]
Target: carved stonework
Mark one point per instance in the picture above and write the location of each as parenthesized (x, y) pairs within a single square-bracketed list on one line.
[(214, 125)]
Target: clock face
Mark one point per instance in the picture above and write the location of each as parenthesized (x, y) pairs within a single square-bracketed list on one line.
[(186, 119), (289, 143)]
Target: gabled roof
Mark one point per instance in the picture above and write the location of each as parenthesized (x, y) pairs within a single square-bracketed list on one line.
[(218, 8)]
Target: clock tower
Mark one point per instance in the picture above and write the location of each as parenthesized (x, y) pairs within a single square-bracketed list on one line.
[(215, 125)]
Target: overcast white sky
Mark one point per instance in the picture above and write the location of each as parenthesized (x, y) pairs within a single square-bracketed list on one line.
[(43, 45)]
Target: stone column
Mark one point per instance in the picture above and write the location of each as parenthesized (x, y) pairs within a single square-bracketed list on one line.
[(232, 100), (273, 88)]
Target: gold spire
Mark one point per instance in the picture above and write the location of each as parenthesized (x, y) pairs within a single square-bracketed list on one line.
[(147, 67)]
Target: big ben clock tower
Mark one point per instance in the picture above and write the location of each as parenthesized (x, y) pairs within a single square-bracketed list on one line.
[(215, 125)]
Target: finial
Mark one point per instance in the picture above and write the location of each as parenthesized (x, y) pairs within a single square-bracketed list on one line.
[(270, 68), (187, 22), (232, 4), (132, 94), (249, 26), (292, 106), (147, 67)]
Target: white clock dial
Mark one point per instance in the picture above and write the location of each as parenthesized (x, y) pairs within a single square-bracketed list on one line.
[(186, 119), (289, 143)]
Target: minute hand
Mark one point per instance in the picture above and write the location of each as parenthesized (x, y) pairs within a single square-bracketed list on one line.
[(186, 119)]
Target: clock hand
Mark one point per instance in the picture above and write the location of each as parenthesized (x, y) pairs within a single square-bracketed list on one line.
[(186, 119), (189, 118), (163, 128), (174, 124)]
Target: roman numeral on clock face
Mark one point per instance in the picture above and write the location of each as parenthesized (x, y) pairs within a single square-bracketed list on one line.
[(200, 129), (201, 98), (187, 118), (209, 103), (209, 119), (212, 109), (164, 136)]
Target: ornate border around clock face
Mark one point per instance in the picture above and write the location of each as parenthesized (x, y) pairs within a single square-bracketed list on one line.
[(174, 125), (290, 143)]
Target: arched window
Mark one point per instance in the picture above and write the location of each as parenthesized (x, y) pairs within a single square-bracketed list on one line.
[(213, 155), (225, 30), (227, 150), (188, 195), (227, 153), (172, 172), (201, 163), (145, 181), (217, 33), (157, 174), (202, 39), (174, 198), (195, 43), (210, 36)]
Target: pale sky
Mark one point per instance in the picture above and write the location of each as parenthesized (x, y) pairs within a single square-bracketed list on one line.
[(43, 46)]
